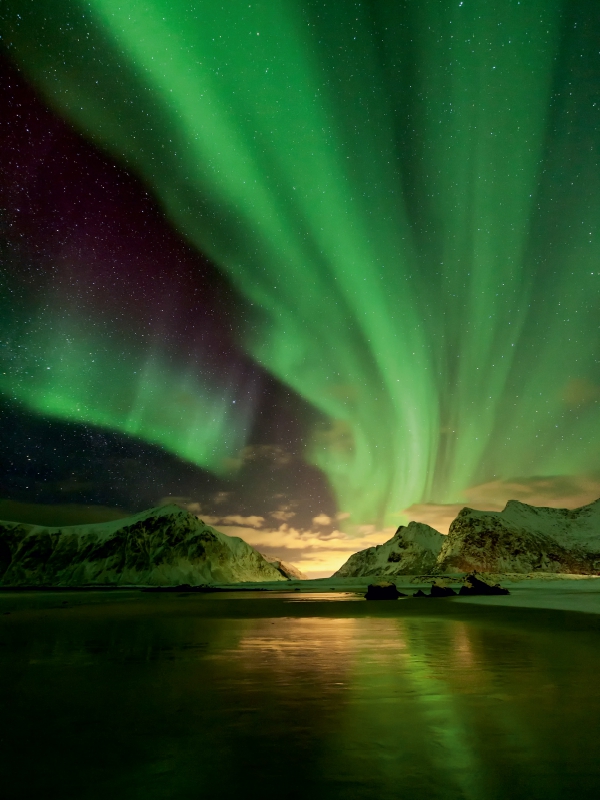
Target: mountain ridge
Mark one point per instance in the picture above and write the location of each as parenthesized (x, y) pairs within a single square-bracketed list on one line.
[(524, 538), (165, 545), (412, 549), (519, 539)]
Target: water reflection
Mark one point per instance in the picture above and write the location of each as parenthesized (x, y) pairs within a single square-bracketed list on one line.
[(165, 698)]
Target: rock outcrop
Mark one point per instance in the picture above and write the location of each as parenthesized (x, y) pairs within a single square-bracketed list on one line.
[(161, 546), (523, 538), (439, 590), (412, 550), (289, 571), (383, 590), (474, 586)]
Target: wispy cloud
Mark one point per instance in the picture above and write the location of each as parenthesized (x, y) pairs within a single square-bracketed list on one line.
[(437, 516), (316, 553), (269, 453), (235, 519), (555, 491), (318, 550), (282, 515)]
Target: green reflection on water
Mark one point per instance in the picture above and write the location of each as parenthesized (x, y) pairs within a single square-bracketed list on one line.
[(182, 697)]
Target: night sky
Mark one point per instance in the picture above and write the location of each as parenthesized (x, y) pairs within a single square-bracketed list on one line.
[(300, 265)]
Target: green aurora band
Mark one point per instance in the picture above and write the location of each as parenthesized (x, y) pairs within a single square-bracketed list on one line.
[(76, 367), (406, 194)]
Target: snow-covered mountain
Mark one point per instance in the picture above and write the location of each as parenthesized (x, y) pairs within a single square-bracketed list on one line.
[(523, 538), (412, 550), (520, 538), (161, 546)]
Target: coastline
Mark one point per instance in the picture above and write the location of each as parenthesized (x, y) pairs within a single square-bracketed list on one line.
[(579, 593)]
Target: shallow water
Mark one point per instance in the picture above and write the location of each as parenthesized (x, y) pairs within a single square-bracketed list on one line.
[(126, 695)]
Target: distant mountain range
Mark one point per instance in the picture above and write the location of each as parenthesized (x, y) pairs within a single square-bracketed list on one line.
[(521, 538), (161, 546), (169, 546)]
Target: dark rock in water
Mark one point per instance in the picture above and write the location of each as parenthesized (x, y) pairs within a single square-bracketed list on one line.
[(383, 591), (475, 586), (436, 591), (441, 591)]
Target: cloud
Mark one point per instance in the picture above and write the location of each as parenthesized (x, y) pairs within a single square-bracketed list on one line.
[(555, 491), (183, 502), (437, 516), (270, 453), (235, 519), (282, 515), (316, 553), (221, 497), (337, 438), (319, 551)]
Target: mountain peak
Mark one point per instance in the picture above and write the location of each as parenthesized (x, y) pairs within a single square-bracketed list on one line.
[(166, 545)]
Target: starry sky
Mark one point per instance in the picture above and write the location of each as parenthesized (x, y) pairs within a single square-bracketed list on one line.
[(311, 269)]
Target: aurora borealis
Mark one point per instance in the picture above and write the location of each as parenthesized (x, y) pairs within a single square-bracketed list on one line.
[(403, 197)]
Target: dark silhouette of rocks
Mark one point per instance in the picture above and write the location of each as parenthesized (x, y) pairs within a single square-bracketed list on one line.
[(475, 586), (441, 591), (436, 591), (383, 591)]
